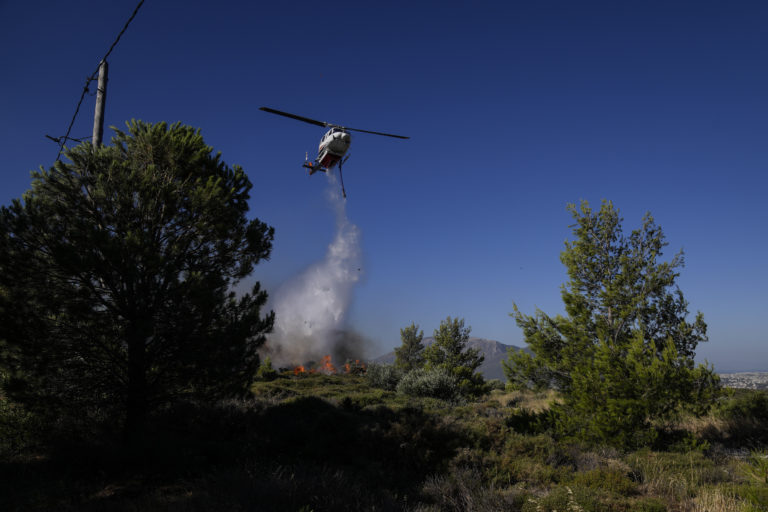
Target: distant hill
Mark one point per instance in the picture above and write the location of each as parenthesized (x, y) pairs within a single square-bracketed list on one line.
[(494, 352)]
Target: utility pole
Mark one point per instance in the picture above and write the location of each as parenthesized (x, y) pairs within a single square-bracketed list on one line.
[(101, 98)]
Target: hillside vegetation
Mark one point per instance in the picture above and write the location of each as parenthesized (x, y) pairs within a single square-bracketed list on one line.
[(334, 442), (130, 375)]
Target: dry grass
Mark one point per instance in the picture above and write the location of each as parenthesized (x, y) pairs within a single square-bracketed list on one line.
[(708, 426), (562, 499), (601, 459), (715, 500), (673, 476), (534, 401)]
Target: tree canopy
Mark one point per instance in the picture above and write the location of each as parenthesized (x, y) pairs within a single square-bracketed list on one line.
[(450, 353), (117, 270), (625, 343), (410, 354)]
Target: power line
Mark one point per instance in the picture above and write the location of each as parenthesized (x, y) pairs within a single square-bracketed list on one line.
[(93, 77), (58, 139)]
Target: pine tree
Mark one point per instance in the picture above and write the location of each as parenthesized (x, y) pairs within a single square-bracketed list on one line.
[(117, 270), (624, 343), (410, 354), (449, 352)]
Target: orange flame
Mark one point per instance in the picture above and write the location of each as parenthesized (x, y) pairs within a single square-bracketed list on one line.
[(357, 367), (327, 366)]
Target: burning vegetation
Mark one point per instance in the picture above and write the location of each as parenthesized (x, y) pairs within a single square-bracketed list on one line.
[(327, 367)]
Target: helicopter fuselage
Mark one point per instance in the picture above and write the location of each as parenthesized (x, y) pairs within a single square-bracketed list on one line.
[(332, 148)]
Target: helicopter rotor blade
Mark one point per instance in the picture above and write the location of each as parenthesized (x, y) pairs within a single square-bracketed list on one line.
[(294, 116), (377, 133), (325, 125)]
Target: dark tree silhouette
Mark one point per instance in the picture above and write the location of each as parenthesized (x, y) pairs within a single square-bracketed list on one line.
[(116, 273)]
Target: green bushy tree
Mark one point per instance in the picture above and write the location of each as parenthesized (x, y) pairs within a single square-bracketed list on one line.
[(266, 371), (117, 269), (623, 354), (622, 390), (449, 352), (410, 354)]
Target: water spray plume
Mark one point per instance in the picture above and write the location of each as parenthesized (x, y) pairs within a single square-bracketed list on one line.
[(311, 308)]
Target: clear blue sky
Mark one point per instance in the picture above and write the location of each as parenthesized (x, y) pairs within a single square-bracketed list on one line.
[(514, 109)]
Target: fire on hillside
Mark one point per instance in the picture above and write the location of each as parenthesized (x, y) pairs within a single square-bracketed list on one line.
[(327, 367)]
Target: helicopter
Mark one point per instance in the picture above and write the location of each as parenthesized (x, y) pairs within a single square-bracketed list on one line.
[(333, 146)]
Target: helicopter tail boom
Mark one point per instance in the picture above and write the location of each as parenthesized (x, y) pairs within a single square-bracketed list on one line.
[(313, 168)]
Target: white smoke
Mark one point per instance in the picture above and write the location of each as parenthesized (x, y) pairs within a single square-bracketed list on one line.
[(310, 309)]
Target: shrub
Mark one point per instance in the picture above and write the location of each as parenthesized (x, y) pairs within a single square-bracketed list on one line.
[(436, 383), (494, 384), (747, 405), (526, 421), (354, 367), (612, 480), (563, 498), (746, 417), (266, 372), (463, 488), (384, 376), (649, 505), (754, 494), (18, 428)]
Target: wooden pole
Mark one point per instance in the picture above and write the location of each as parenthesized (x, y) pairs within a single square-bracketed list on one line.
[(101, 98)]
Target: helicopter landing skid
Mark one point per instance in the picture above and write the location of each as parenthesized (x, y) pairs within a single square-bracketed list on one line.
[(341, 178)]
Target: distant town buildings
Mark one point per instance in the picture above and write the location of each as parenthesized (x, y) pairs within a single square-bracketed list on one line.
[(745, 380)]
